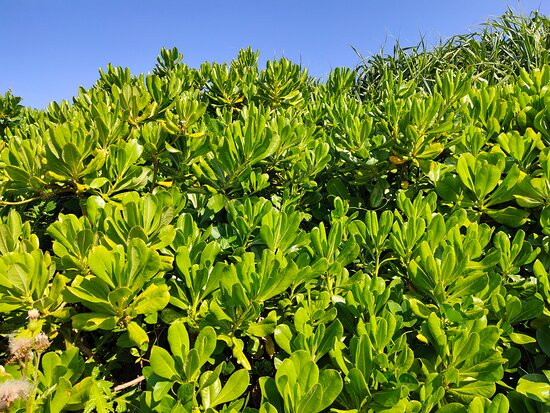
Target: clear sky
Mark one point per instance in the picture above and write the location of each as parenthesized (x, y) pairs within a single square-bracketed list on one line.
[(50, 47)]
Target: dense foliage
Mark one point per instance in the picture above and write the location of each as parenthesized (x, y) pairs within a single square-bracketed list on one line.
[(234, 239)]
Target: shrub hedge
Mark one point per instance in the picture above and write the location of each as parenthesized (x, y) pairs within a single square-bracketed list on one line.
[(234, 239)]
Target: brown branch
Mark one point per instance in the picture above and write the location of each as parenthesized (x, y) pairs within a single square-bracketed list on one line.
[(130, 383), (25, 201), (44, 195)]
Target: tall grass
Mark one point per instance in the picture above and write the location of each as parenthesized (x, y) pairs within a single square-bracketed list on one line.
[(497, 50)]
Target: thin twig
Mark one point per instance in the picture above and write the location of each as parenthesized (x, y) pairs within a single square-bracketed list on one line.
[(130, 383), (25, 201), (38, 197)]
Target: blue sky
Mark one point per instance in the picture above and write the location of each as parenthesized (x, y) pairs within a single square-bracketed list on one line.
[(50, 48)]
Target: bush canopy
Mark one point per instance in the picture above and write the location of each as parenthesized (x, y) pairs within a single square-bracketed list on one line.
[(227, 239)]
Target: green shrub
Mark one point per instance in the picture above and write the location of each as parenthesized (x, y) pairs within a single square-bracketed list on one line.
[(234, 239)]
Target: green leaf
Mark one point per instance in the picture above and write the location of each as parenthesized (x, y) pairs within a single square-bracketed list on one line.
[(535, 387), (137, 335), (521, 338), (419, 308), (192, 364), (387, 398), (505, 191), (465, 168), (216, 203), (499, 404), (331, 383), (332, 334), (210, 377), (154, 298), (80, 394), (436, 333), (486, 179), (61, 396), (336, 187), (270, 392), (93, 321), (356, 384), (543, 338), (50, 364), (74, 364), (509, 216), (208, 388), (162, 363), (233, 388), (311, 400), (265, 327), (205, 344), (545, 220), (449, 188), (238, 353), (452, 408), (99, 399), (267, 408), (283, 337), (178, 339), (467, 392), (71, 157)]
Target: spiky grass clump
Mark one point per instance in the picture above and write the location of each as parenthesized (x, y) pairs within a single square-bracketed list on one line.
[(498, 50)]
